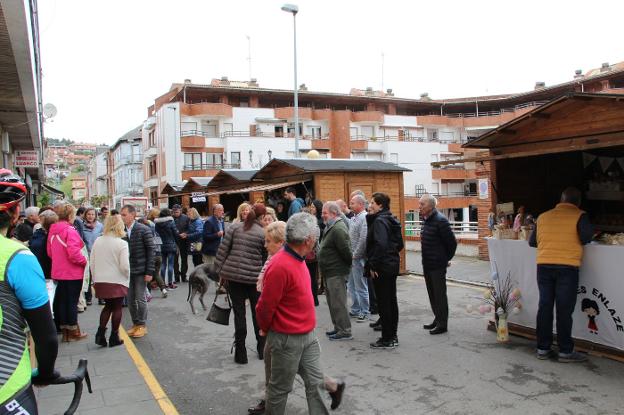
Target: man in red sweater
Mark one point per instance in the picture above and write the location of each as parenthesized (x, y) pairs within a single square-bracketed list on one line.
[(285, 312)]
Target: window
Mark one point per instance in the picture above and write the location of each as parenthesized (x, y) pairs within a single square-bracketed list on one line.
[(152, 139), (368, 131), (192, 161), (214, 159), (314, 131), (279, 131), (354, 132), (210, 130), (432, 134), (152, 168), (244, 104), (235, 158), (291, 129), (188, 126)]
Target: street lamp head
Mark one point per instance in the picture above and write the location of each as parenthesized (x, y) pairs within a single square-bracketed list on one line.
[(290, 8)]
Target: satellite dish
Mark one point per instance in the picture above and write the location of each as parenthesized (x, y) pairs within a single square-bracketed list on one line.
[(49, 111)]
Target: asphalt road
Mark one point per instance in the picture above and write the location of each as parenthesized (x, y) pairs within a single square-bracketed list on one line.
[(463, 372)]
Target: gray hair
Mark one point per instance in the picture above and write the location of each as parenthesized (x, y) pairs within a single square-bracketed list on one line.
[(333, 208), (215, 207), (301, 227), (358, 192), (433, 202), (359, 198), (31, 211)]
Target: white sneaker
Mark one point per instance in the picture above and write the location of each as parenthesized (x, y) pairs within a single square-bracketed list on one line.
[(164, 292)]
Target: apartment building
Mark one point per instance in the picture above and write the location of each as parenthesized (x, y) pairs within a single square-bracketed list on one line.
[(194, 130), (126, 167), (79, 187), (98, 176)]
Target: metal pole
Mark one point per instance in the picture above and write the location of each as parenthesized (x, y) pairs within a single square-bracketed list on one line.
[(296, 90)]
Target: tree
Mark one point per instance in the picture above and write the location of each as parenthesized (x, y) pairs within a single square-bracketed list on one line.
[(66, 186), (43, 199), (98, 200)]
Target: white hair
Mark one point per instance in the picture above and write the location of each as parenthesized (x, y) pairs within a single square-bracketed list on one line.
[(359, 198), (433, 202), (301, 227), (31, 211), (333, 208)]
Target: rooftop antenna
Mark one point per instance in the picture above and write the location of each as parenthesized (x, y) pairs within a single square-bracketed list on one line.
[(249, 54)]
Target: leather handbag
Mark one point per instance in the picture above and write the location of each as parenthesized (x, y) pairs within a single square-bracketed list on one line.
[(218, 314)]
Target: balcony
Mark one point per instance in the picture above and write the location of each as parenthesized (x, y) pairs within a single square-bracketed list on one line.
[(207, 108), (214, 166), (132, 159), (192, 141), (368, 116), (288, 113), (452, 173), (321, 144)]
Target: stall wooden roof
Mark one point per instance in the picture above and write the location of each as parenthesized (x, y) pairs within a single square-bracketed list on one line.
[(228, 177), (573, 122), (291, 167)]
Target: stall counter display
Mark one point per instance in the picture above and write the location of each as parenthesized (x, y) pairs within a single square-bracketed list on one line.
[(599, 313)]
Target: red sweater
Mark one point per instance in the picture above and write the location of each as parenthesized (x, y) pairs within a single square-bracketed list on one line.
[(286, 304)]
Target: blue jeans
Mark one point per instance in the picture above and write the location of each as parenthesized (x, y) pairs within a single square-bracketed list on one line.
[(358, 288), (557, 287), (166, 268)]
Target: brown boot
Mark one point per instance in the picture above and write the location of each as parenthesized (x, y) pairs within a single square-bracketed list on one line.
[(74, 334), (64, 334)]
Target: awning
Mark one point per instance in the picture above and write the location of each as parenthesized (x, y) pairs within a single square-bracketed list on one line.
[(52, 190), (263, 187)]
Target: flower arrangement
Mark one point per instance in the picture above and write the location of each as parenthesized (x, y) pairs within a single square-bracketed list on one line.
[(501, 297)]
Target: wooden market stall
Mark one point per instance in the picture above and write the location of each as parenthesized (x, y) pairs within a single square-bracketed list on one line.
[(222, 186), (576, 140), (332, 179), (193, 194)]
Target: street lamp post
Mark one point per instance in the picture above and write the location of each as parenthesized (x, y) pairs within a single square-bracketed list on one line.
[(292, 8)]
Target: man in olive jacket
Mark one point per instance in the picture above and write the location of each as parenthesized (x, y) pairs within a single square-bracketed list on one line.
[(334, 260)]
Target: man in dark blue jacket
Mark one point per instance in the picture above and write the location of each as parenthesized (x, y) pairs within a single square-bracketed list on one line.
[(438, 246), (212, 234)]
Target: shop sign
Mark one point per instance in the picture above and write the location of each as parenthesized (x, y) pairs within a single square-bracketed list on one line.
[(505, 208), (198, 197), (484, 189), (26, 159)]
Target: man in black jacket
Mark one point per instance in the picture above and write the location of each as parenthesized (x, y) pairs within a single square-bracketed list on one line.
[(141, 246), (438, 246), (212, 234), (383, 244), (182, 222)]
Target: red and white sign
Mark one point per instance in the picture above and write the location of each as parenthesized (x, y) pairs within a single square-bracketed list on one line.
[(27, 159)]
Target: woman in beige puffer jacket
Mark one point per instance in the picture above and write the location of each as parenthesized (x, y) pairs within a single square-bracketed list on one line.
[(239, 262)]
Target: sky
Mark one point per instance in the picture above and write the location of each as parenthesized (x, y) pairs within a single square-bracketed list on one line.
[(105, 62)]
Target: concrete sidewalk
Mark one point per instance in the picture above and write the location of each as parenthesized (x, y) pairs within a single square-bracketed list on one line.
[(118, 385)]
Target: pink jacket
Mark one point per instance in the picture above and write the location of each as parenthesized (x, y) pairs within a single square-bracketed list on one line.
[(64, 248)]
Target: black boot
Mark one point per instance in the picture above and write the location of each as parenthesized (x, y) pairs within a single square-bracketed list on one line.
[(114, 339), (100, 337), (240, 354)]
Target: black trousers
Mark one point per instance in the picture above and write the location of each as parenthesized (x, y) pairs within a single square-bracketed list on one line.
[(313, 269), (180, 265), (238, 294), (372, 298), (197, 259), (66, 300), (436, 288), (388, 307)]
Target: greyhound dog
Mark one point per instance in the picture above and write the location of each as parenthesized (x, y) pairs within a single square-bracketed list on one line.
[(198, 283)]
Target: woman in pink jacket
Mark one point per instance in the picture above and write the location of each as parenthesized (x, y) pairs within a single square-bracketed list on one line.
[(68, 265)]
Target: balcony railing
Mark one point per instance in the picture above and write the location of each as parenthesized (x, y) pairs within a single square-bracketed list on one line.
[(497, 112), (258, 133), (131, 159), (214, 166), (405, 138), (464, 229)]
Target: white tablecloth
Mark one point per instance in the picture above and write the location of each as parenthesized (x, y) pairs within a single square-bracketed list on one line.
[(601, 280)]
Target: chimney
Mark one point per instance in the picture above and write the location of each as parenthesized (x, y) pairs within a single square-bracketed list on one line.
[(578, 74), (389, 92), (369, 90), (605, 67), (224, 80), (187, 81), (253, 82), (425, 96), (540, 85), (303, 87)]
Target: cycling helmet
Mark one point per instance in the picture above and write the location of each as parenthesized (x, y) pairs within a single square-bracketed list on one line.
[(12, 190)]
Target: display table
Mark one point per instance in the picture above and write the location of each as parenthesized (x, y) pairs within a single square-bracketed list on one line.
[(601, 281)]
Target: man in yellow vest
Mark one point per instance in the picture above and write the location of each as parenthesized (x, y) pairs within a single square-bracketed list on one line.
[(23, 302), (559, 238)]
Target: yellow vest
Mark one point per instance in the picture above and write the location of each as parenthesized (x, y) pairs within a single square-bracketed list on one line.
[(558, 241)]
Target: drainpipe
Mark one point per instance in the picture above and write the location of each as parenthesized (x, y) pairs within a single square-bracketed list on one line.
[(477, 106)]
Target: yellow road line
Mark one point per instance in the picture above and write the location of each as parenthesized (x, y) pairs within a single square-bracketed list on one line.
[(152, 383)]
